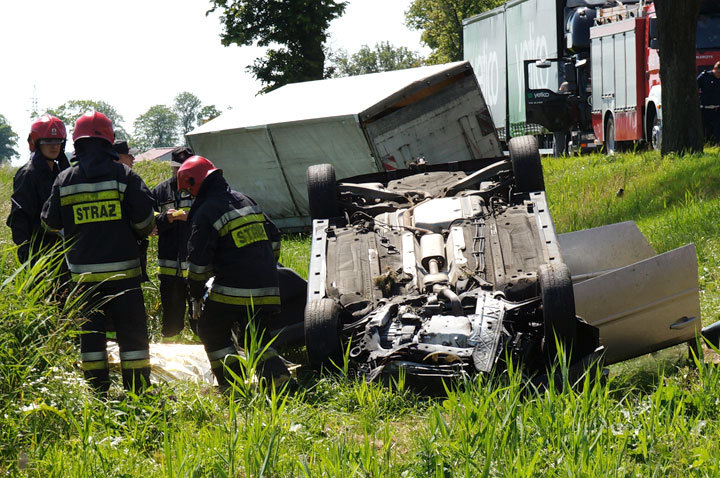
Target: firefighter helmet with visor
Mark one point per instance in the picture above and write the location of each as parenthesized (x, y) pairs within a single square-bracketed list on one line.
[(193, 172), (47, 129)]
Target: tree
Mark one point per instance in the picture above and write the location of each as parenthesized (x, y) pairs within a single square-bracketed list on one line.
[(70, 111), (157, 127), (187, 107), (441, 23), (383, 57), (677, 28), (8, 141), (296, 30), (207, 113)]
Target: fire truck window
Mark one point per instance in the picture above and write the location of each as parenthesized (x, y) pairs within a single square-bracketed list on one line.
[(708, 32)]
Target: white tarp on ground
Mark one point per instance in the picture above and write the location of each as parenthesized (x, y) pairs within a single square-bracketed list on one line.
[(359, 124)]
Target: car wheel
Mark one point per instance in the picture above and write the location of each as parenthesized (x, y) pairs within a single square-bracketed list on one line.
[(322, 191), (322, 333), (526, 165), (558, 304), (610, 136)]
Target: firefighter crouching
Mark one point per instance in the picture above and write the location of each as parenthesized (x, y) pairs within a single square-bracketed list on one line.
[(172, 207), (229, 240), (32, 185), (104, 207)]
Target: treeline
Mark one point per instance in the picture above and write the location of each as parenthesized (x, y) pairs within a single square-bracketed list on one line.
[(160, 125)]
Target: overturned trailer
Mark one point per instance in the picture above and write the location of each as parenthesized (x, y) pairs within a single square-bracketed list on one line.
[(361, 124)]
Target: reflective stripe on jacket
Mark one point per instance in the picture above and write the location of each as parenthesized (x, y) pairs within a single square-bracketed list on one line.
[(229, 240), (172, 236), (104, 208), (32, 186)]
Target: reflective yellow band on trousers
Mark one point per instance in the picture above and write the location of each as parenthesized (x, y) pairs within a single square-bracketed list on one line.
[(169, 267), (169, 271), (227, 359), (134, 364), (197, 272), (99, 365)]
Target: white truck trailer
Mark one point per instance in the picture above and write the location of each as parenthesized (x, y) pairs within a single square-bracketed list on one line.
[(361, 124)]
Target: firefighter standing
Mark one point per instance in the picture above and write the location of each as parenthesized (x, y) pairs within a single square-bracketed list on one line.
[(229, 240), (32, 185), (172, 207), (125, 157), (709, 84), (104, 207)]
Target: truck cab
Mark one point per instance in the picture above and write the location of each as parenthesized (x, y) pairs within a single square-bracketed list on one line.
[(626, 96)]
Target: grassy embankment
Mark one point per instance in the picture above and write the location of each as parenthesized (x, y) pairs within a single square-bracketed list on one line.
[(656, 417)]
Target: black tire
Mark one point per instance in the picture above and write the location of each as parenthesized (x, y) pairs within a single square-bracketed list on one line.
[(526, 165), (322, 191), (655, 134), (558, 305), (610, 136), (322, 334)]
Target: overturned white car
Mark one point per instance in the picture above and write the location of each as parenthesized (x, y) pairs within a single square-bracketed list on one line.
[(451, 269)]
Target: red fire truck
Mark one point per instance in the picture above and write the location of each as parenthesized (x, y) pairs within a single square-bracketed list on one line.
[(626, 99)]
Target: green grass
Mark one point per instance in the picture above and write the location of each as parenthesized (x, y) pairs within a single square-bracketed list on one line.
[(658, 416)]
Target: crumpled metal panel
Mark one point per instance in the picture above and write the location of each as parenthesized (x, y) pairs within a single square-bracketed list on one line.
[(645, 306), (486, 339)]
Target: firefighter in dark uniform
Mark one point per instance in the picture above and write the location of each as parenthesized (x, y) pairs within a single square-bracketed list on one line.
[(125, 157), (32, 185), (709, 85), (229, 240), (172, 207), (104, 207)]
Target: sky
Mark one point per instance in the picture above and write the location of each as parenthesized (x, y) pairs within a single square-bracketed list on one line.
[(134, 54)]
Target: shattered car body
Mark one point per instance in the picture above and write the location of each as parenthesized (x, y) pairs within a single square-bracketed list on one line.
[(439, 271), (451, 269)]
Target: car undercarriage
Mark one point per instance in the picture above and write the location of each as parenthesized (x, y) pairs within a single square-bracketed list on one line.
[(441, 271)]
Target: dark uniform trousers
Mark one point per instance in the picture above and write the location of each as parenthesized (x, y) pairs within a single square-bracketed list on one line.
[(172, 256), (229, 240), (709, 87), (126, 309), (215, 330), (104, 209), (174, 297), (711, 124)]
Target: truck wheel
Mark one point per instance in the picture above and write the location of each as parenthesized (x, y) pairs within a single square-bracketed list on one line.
[(322, 334), (558, 305), (526, 165), (656, 134), (322, 191), (610, 136)]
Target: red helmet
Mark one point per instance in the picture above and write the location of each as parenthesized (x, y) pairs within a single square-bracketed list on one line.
[(46, 127), (193, 172), (94, 124)]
